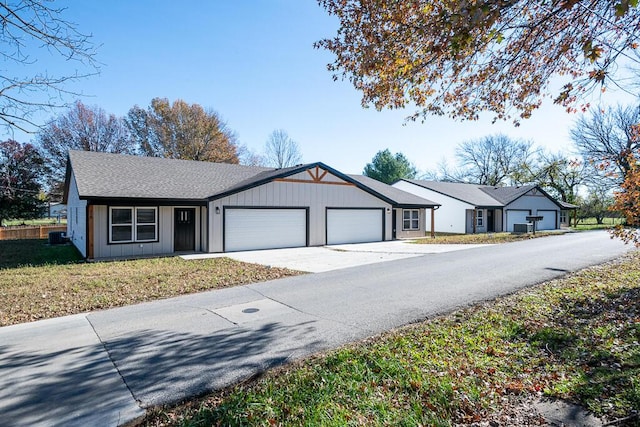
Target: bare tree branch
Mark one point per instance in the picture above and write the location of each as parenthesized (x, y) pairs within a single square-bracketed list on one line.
[(33, 30), (281, 151)]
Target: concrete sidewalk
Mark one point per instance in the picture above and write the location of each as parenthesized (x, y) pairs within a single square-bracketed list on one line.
[(58, 372)]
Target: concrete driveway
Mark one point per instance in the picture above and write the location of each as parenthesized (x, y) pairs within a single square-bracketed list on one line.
[(319, 259)]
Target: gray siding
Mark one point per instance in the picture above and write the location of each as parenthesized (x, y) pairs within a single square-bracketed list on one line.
[(164, 245), (76, 218), (424, 224), (316, 196)]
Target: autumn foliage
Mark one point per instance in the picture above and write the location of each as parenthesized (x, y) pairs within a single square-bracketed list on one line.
[(627, 201), (180, 130), (464, 57)]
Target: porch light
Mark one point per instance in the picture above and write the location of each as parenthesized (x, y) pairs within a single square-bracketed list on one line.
[(218, 210)]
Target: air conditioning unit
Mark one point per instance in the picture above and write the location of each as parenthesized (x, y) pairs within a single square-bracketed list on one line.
[(523, 228), (57, 238)]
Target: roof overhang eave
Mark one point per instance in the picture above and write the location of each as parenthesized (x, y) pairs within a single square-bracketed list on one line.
[(138, 201)]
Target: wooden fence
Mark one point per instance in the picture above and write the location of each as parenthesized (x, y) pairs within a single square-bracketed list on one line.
[(29, 232)]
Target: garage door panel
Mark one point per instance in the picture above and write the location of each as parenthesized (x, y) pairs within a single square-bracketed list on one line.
[(251, 229), (549, 220), (516, 217), (354, 226)]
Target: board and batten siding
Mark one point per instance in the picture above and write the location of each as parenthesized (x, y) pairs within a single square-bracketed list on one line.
[(164, 245), (317, 196), (76, 218)]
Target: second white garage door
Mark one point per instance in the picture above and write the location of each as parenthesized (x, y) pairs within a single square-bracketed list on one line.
[(354, 226), (249, 229), (548, 221), (516, 217)]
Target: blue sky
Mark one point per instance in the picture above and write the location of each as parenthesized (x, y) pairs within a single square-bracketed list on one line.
[(254, 63)]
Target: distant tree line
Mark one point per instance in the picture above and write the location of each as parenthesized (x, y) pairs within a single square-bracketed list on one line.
[(32, 173), (606, 164)]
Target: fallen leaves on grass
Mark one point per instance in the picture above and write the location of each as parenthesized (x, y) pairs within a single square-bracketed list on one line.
[(34, 293)]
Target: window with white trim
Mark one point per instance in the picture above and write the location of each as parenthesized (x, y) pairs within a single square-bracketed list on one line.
[(133, 224), (479, 218), (563, 217), (410, 219)]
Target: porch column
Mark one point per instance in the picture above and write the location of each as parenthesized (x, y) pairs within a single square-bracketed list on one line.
[(433, 222)]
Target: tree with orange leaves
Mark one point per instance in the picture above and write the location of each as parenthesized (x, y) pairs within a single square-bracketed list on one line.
[(627, 201), (464, 57)]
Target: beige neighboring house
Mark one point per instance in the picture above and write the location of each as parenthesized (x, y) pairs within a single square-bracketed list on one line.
[(121, 206), (472, 208)]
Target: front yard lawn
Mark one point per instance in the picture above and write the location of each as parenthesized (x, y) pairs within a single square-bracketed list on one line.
[(481, 238), (56, 284), (574, 338), (15, 253)]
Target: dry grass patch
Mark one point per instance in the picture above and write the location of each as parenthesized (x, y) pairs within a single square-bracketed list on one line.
[(481, 238), (39, 292)]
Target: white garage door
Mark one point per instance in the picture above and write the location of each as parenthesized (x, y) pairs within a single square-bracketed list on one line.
[(516, 217), (248, 229), (548, 222), (354, 226)]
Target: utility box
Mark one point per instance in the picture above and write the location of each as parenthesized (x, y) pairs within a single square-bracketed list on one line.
[(523, 228)]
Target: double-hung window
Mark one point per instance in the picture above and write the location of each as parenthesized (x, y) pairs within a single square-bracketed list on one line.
[(133, 224), (411, 219), (480, 218)]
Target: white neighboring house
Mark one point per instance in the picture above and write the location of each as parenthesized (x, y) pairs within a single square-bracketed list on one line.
[(123, 206), (471, 208)]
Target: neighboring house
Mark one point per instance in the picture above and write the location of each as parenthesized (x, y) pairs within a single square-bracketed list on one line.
[(57, 210), (567, 211), (130, 206), (471, 208)]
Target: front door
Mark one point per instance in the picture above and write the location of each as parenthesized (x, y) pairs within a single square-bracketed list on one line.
[(184, 237), (490, 223), (393, 236)]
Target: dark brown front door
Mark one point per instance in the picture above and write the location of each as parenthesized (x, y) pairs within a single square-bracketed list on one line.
[(490, 221), (184, 238)]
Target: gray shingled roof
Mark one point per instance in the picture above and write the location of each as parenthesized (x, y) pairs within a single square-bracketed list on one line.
[(107, 175), (567, 205), (470, 193), (399, 197), (506, 195), (483, 195)]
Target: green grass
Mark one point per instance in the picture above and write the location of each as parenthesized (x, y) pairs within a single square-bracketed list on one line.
[(15, 253), (38, 281), (592, 223), (575, 338)]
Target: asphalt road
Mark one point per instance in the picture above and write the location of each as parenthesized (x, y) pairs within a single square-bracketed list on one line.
[(102, 368)]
